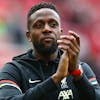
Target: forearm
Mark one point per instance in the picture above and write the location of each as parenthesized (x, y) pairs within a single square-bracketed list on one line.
[(36, 93), (85, 89), (41, 90), (62, 70)]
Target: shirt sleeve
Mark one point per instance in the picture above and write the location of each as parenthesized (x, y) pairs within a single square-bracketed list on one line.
[(10, 86), (88, 86)]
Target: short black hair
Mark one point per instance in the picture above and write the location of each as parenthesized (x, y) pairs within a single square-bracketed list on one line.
[(39, 6)]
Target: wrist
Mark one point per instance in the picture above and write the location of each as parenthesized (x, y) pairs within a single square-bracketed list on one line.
[(56, 78), (77, 73)]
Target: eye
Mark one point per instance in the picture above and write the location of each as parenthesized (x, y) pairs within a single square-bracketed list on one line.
[(53, 24), (38, 25)]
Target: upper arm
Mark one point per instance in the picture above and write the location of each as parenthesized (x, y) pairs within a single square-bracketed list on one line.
[(92, 79), (9, 81), (89, 74)]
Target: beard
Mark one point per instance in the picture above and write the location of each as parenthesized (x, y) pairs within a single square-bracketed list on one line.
[(46, 51)]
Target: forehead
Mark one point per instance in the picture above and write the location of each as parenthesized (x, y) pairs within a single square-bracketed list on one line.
[(45, 12)]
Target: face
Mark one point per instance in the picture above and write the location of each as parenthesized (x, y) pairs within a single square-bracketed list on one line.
[(45, 29)]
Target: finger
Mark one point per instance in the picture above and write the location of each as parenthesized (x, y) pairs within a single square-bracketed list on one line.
[(74, 42), (69, 37), (69, 41), (74, 48), (63, 47), (68, 45), (69, 50), (75, 35)]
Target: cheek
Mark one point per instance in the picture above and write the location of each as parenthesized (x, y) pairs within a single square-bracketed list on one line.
[(35, 36), (58, 33)]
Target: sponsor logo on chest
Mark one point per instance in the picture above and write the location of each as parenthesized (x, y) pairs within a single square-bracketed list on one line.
[(65, 93)]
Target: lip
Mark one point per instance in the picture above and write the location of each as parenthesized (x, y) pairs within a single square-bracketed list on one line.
[(47, 41), (47, 38)]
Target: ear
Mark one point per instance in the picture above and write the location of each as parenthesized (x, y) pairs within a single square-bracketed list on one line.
[(28, 35), (61, 31)]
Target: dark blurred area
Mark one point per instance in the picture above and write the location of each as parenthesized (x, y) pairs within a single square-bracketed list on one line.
[(81, 16)]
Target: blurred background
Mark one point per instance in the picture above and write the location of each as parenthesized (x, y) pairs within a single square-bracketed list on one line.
[(81, 16)]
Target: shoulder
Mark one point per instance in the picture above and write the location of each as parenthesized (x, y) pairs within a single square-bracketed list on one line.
[(9, 66), (10, 72)]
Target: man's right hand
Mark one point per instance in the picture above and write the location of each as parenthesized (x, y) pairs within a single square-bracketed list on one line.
[(62, 70)]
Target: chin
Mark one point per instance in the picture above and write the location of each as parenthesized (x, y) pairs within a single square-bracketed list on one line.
[(46, 49)]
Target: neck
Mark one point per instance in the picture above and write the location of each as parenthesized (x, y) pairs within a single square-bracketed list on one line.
[(44, 57)]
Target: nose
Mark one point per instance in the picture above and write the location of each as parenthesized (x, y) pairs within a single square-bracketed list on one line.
[(47, 29)]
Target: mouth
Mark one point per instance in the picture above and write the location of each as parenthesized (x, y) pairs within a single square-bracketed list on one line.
[(48, 41)]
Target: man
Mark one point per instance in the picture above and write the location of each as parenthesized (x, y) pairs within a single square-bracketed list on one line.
[(51, 70)]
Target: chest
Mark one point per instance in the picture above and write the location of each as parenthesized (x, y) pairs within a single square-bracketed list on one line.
[(33, 76)]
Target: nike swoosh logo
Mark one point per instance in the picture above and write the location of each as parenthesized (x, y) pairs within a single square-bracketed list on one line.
[(35, 81)]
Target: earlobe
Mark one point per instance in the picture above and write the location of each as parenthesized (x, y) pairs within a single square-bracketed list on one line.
[(28, 36), (61, 31), (29, 40)]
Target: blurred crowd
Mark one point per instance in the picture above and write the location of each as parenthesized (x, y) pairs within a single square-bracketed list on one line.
[(81, 16)]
